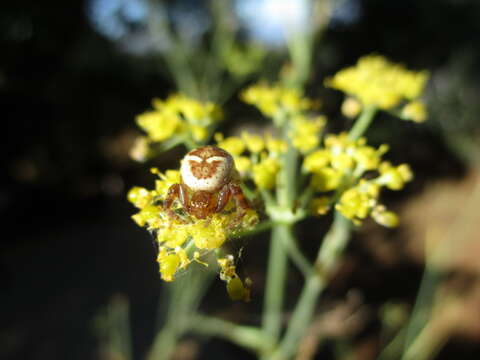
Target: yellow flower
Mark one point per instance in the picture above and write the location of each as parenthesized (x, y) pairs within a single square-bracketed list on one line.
[(234, 145), (351, 107), (170, 261), (158, 126), (199, 133), (368, 158), (276, 99), (394, 177), (355, 204), (361, 201), (168, 266), (376, 81), (274, 145), (384, 217), (147, 216), (415, 111), (255, 144), (236, 288), (174, 235), (265, 173), (178, 117), (243, 164), (139, 197), (316, 161), (210, 233), (326, 179), (320, 205), (343, 162), (305, 133)]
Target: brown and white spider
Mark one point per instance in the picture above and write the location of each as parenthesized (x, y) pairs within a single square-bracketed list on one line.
[(208, 181)]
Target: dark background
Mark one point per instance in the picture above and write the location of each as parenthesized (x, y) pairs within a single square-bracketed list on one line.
[(68, 98)]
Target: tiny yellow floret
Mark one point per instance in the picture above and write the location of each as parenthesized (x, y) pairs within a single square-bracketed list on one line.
[(265, 173), (415, 111)]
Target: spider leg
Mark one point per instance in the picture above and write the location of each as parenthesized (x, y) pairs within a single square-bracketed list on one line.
[(176, 191), (240, 200), (223, 198)]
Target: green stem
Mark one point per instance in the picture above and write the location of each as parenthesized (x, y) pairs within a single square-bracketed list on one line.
[(363, 122), (333, 244), (427, 344), (275, 283), (329, 253), (183, 298), (248, 337), (294, 252), (261, 227), (394, 347), (301, 317), (278, 257)]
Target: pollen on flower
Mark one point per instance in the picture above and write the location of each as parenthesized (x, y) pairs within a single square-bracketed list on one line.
[(236, 288), (210, 234), (170, 261)]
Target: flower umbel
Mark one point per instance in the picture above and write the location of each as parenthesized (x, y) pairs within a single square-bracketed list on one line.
[(376, 81), (340, 166), (178, 119), (183, 233)]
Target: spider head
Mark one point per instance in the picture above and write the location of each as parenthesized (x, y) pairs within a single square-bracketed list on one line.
[(207, 168)]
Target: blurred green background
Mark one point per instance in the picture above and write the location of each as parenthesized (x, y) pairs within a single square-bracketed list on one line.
[(73, 75)]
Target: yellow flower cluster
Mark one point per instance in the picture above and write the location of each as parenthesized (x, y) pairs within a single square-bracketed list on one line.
[(305, 132), (236, 288), (284, 104), (276, 101), (376, 81), (183, 239), (256, 157), (340, 167), (178, 117)]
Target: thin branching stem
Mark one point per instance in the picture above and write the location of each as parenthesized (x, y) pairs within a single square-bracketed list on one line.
[(363, 122)]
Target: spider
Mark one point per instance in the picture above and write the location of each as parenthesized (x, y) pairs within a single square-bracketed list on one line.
[(208, 181)]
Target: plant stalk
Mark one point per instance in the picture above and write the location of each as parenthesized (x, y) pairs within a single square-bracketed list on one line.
[(280, 235), (363, 122), (248, 337), (275, 283), (332, 247)]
